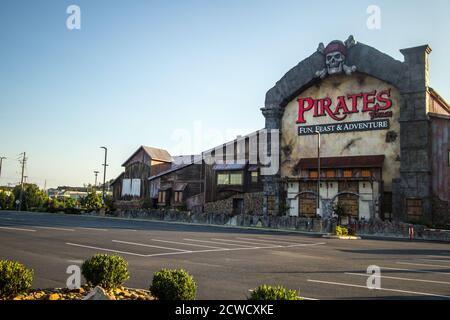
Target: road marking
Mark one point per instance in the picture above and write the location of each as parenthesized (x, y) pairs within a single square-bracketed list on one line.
[(415, 270), (306, 245), (397, 278), (75, 261), (246, 242), (422, 264), (90, 229), (105, 249), (270, 241), (187, 244), (215, 242), (54, 228), (17, 229), (148, 245), (434, 260), (380, 289)]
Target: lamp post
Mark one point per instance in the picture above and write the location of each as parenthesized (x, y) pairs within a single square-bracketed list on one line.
[(1, 162), (318, 173), (96, 174), (104, 173)]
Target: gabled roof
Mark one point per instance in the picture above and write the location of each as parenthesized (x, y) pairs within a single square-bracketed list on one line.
[(154, 153), (184, 161)]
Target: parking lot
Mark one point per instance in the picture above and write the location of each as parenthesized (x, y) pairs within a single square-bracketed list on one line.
[(227, 262)]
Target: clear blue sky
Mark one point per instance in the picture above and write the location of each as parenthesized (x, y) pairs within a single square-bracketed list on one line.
[(140, 71)]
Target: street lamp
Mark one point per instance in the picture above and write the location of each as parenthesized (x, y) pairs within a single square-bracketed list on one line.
[(104, 172), (1, 161), (318, 173), (96, 174)]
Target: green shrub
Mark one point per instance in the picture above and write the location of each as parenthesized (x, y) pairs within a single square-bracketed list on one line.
[(351, 232), (173, 285), (14, 278), (341, 231), (266, 292), (106, 271)]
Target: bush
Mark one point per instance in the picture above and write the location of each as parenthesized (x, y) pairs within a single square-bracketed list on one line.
[(351, 232), (266, 292), (106, 271), (173, 285), (341, 231), (14, 278)]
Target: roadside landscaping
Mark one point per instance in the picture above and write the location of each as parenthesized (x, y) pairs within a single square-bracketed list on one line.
[(105, 276)]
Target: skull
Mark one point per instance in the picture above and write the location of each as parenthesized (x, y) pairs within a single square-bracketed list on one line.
[(335, 62)]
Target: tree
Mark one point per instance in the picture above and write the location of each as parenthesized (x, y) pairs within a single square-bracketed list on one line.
[(93, 201), (6, 200), (33, 197)]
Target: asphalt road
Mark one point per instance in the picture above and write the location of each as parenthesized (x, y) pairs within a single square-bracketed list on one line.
[(227, 262)]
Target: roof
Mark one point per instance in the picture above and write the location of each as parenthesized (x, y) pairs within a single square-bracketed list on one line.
[(178, 165), (343, 162), (229, 167), (153, 153), (179, 186)]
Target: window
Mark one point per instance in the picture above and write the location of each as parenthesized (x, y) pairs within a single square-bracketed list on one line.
[(234, 179), (330, 174), (313, 174), (223, 179), (162, 197), (366, 173), (255, 177), (348, 173), (178, 197)]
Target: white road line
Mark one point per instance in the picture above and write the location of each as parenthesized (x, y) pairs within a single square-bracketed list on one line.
[(306, 245), (187, 244), (435, 260), (246, 242), (285, 240), (270, 241), (396, 278), (90, 229), (441, 256), (105, 249), (215, 242), (17, 229), (148, 245), (210, 250), (416, 270), (381, 289), (75, 261), (422, 264), (54, 228)]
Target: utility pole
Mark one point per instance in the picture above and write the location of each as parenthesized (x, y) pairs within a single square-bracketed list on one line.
[(24, 160), (104, 173), (1, 162)]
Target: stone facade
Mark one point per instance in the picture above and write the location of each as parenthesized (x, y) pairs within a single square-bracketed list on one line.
[(253, 204), (410, 78)]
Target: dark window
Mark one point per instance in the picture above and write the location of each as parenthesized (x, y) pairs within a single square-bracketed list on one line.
[(255, 176), (234, 179)]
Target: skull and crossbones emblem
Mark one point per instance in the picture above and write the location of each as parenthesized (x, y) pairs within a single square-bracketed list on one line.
[(335, 57)]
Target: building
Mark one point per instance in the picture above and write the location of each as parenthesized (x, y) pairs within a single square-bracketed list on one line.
[(384, 136), (180, 186), (143, 163), (232, 180)]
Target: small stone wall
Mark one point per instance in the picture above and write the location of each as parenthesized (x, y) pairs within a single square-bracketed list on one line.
[(379, 228), (253, 204)]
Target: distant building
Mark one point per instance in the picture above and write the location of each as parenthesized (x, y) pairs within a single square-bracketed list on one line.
[(143, 163)]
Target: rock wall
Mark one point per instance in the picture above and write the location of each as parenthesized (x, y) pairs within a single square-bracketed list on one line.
[(382, 229), (253, 204)]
